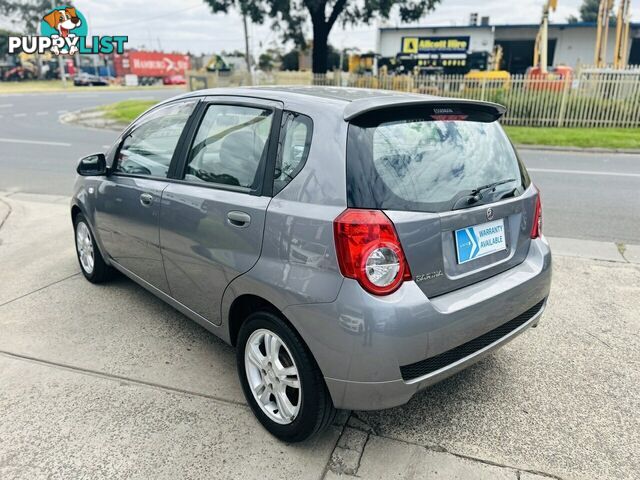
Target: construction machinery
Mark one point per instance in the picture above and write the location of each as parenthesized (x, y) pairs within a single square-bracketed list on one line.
[(540, 51), (217, 64), (623, 23), (602, 33), (493, 74), (361, 63), (540, 69)]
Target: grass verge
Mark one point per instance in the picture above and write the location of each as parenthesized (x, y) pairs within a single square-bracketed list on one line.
[(576, 137), (127, 110)]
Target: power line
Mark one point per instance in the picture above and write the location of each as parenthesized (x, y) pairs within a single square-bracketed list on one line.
[(167, 14)]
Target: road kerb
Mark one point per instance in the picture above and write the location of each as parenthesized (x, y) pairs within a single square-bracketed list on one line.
[(591, 249)]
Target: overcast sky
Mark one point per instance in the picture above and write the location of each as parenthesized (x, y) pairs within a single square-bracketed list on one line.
[(189, 25)]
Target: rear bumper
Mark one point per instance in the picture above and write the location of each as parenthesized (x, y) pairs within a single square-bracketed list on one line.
[(361, 342)]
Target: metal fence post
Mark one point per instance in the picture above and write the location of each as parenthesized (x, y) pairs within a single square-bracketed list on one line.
[(563, 101)]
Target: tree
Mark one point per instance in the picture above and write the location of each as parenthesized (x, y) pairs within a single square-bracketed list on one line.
[(290, 17), (26, 15), (589, 11), (290, 60), (4, 42), (268, 59)]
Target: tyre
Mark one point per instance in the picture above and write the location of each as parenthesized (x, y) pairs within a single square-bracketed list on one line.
[(281, 381), (91, 262)]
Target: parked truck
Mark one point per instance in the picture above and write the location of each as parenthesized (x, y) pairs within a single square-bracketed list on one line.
[(150, 67)]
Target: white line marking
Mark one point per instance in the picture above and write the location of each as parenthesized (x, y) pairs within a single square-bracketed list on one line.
[(19, 114), (107, 147), (62, 111), (35, 142), (42, 113), (6, 105), (584, 172)]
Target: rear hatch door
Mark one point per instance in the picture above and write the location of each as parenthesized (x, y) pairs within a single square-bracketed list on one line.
[(452, 184)]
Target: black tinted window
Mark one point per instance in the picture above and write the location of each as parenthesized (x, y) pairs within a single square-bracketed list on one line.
[(295, 141), (429, 165), (148, 149), (230, 146)]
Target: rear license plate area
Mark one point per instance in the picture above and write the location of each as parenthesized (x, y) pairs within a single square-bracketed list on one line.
[(480, 240)]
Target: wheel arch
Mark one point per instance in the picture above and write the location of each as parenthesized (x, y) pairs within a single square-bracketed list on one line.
[(78, 208), (245, 304), (75, 210)]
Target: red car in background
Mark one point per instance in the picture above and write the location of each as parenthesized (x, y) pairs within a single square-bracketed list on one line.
[(174, 80)]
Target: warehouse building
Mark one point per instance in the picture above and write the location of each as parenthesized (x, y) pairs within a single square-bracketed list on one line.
[(458, 49)]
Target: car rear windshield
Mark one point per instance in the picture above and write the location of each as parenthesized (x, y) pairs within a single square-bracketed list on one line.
[(430, 160)]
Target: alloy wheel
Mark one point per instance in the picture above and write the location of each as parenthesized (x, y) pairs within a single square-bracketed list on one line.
[(273, 376), (84, 246)]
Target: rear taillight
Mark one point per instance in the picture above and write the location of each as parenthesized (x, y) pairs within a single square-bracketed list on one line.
[(369, 250), (536, 229)]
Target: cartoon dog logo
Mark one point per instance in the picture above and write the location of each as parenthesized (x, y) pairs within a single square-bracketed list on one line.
[(63, 21)]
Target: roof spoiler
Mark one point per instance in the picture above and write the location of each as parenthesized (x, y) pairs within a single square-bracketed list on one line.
[(365, 105)]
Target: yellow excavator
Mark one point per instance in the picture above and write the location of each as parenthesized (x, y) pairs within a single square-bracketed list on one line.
[(623, 23), (602, 33), (541, 48), (540, 70), (493, 73)]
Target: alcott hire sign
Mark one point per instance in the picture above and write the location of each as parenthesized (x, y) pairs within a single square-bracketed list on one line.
[(435, 44)]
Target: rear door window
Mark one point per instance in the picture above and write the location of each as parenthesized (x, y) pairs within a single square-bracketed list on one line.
[(430, 163), (230, 146)]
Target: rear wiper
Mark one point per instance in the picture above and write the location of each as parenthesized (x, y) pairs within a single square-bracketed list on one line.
[(474, 196)]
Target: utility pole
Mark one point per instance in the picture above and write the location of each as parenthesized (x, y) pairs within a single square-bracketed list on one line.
[(246, 47), (63, 75)]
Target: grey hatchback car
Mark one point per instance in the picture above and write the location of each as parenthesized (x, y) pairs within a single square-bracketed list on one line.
[(356, 246)]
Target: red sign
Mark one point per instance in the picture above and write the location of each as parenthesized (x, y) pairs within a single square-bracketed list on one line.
[(151, 64)]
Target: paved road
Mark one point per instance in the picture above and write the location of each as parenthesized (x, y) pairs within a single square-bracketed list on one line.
[(37, 153), (586, 196)]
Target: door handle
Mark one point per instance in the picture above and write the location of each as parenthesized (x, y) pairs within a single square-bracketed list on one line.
[(146, 199), (238, 219)]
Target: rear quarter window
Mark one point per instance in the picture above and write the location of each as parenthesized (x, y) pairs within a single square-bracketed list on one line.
[(293, 148), (425, 163)]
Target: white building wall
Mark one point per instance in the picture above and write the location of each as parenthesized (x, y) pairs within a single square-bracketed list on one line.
[(576, 46)]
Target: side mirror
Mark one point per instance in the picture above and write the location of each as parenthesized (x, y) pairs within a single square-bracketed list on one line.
[(91, 165)]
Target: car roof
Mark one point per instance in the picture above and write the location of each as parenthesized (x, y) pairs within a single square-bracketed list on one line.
[(350, 102)]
